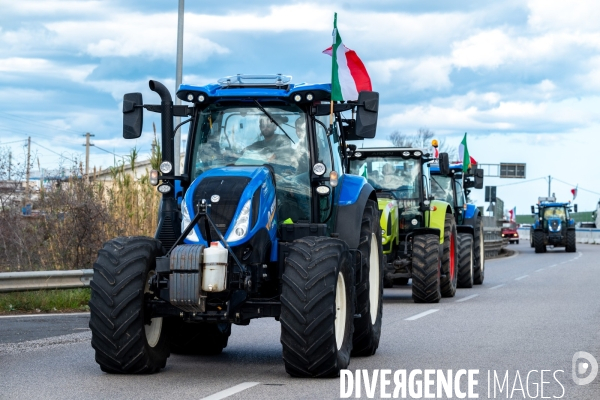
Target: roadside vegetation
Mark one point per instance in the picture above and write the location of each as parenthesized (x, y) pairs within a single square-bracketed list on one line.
[(73, 217), (45, 301)]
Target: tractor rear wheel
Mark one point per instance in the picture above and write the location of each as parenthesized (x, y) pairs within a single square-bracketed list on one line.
[(369, 292), (197, 338), (538, 242), (426, 265), (317, 307), (449, 277), (465, 260), (126, 340), (531, 238), (478, 252), (571, 246)]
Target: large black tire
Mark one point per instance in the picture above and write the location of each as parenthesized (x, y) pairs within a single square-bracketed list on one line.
[(125, 339), (317, 289), (571, 246), (538, 242), (369, 292), (449, 278), (478, 252), (198, 338), (531, 238), (465, 260), (426, 265)]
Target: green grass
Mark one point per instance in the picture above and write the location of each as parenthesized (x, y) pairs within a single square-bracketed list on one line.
[(45, 301)]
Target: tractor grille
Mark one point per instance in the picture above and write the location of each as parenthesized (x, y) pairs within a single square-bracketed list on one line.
[(229, 189), (554, 225)]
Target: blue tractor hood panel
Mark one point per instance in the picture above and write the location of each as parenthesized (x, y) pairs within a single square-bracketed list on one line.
[(471, 211), (435, 169), (218, 91), (260, 216)]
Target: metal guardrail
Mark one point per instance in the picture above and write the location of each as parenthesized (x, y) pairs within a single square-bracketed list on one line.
[(493, 242), (39, 280)]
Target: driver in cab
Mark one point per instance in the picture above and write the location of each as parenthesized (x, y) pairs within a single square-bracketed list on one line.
[(271, 141)]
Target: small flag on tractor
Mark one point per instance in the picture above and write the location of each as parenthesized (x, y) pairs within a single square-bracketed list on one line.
[(463, 152), (574, 192), (349, 76)]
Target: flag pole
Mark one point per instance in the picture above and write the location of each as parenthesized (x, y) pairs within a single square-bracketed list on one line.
[(333, 61)]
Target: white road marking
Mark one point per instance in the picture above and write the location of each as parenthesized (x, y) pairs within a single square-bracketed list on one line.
[(552, 266), (498, 286), (521, 277), (81, 329), (423, 314), (540, 270), (467, 298), (44, 315), (231, 391)]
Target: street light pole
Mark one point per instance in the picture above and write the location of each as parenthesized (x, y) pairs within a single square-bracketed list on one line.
[(177, 141)]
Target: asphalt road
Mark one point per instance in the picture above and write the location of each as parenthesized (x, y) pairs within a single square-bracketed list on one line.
[(533, 313)]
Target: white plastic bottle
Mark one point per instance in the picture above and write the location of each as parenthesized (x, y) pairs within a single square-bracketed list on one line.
[(214, 270)]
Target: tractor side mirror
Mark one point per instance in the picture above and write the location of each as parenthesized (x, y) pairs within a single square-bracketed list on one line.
[(533, 209), (133, 115), (575, 207), (444, 163), (479, 178), (366, 114)]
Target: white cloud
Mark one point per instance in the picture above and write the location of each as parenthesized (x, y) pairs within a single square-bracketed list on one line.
[(416, 74), (44, 68)]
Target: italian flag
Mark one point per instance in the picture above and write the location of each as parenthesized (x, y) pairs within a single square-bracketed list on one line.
[(463, 153), (349, 76)]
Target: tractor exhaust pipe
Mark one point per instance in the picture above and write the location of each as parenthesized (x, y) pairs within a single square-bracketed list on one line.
[(168, 147)]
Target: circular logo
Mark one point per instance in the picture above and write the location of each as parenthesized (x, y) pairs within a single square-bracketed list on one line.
[(215, 198)]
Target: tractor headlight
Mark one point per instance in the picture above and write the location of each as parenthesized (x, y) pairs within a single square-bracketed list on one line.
[(185, 221), (166, 167), (240, 228)]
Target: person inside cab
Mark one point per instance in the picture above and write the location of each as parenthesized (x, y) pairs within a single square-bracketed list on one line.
[(270, 142)]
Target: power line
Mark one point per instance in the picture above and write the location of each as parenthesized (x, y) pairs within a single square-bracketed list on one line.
[(52, 151), (110, 152), (578, 188), (518, 183), (14, 141), (36, 122)]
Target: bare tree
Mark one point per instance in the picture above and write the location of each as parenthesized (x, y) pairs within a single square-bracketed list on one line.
[(400, 139)]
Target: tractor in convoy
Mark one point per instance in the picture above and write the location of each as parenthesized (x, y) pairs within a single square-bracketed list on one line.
[(419, 233), (553, 225), (455, 188), (262, 221)]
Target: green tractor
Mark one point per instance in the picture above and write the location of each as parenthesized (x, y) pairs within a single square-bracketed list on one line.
[(418, 233)]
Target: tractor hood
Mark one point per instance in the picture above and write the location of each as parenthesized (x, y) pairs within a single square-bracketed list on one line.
[(242, 202)]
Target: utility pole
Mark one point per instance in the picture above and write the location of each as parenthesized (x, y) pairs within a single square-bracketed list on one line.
[(28, 167), (9, 163), (549, 184), (87, 154), (178, 73)]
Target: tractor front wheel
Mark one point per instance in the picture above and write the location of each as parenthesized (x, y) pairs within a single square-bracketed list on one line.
[(538, 242), (426, 269), (465, 260), (125, 338), (317, 307), (369, 292), (571, 246), (449, 258), (478, 252)]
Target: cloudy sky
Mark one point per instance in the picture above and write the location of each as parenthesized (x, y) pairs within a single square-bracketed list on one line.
[(521, 77)]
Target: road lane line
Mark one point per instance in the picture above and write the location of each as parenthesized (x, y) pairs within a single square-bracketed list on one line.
[(44, 315), (552, 266), (421, 315), (467, 298), (540, 270), (231, 391), (521, 277), (498, 286)]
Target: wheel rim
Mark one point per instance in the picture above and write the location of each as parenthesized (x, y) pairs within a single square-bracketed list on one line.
[(374, 278), (340, 311), (452, 256), (154, 329)]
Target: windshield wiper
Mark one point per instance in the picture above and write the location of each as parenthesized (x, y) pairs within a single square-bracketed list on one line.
[(272, 119)]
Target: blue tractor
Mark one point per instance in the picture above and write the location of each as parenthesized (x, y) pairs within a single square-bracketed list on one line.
[(553, 225), (262, 221), (455, 188)]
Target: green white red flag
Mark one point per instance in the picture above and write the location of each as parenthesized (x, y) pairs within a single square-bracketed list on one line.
[(463, 153), (349, 76)]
